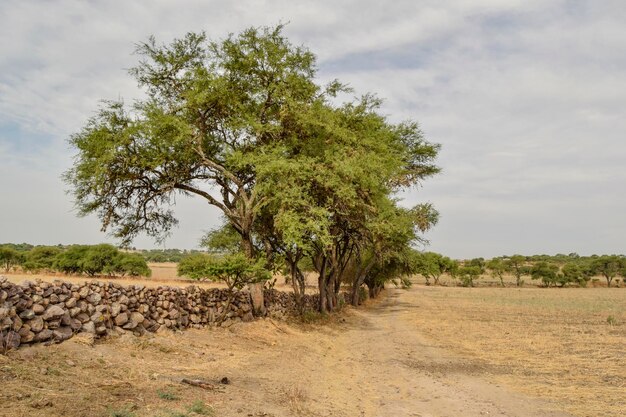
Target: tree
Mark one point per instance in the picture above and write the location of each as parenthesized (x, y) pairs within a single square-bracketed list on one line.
[(212, 107), (99, 259), (40, 258), (9, 257), (243, 124), (608, 266), (498, 268), (468, 274), (433, 265), (574, 272), (516, 264), (132, 264), (546, 271), (235, 270), (71, 260)]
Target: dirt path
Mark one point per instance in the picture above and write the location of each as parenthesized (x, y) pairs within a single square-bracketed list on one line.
[(373, 363), (379, 365)]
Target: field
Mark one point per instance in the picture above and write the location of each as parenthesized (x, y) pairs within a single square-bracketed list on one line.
[(427, 351)]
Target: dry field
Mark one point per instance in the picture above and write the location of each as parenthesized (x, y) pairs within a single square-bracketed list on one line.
[(427, 351), (568, 345)]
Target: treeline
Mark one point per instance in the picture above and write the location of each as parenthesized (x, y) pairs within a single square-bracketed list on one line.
[(551, 271), (89, 260)]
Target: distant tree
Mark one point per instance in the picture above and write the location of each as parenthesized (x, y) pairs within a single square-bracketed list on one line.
[(41, 258), (71, 261), (432, 265), (467, 274), (609, 266), (516, 264), (132, 264), (574, 272), (546, 271), (9, 257), (498, 268), (100, 259)]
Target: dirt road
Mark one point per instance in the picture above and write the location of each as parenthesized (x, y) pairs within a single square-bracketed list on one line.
[(371, 363), (377, 364)]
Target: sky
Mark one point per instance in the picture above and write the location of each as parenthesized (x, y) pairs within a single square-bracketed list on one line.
[(526, 97)]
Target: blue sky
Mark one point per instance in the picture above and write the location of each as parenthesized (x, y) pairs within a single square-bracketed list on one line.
[(528, 99)]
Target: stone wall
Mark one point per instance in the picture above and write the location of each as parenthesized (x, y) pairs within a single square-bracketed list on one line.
[(41, 312)]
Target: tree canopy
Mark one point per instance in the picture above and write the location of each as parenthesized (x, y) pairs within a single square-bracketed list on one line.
[(243, 124)]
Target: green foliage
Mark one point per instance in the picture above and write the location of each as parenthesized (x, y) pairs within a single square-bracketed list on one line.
[(132, 264), (235, 270), (575, 272), (9, 257), (168, 395), (224, 239), (498, 268), (100, 258), (71, 260), (200, 408), (296, 173), (432, 265), (469, 273), (516, 265), (609, 266), (41, 258), (121, 412), (546, 271)]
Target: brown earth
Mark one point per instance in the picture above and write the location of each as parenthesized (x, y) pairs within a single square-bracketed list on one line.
[(422, 352)]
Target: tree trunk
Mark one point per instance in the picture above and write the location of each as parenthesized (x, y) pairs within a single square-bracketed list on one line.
[(321, 284)]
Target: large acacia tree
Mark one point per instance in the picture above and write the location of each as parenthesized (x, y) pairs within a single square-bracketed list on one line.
[(243, 124)]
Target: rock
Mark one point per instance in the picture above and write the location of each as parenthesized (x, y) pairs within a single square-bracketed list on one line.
[(17, 323), (62, 333), (256, 299), (4, 313), (38, 308), (136, 318), (27, 314), (36, 324), (53, 312), (43, 335), (27, 337), (70, 303), (94, 298), (84, 292), (116, 308), (97, 317), (121, 319), (101, 329), (12, 340), (89, 327), (83, 317), (76, 325)]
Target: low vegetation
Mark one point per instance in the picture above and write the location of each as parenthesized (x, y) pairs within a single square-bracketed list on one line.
[(91, 260)]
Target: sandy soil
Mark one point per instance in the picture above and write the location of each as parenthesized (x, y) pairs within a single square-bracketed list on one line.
[(373, 361)]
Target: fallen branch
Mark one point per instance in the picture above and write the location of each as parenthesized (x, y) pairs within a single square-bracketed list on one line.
[(199, 383)]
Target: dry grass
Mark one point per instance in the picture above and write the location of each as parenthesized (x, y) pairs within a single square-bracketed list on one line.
[(554, 343)]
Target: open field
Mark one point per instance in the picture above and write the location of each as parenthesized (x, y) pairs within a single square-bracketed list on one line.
[(427, 351)]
